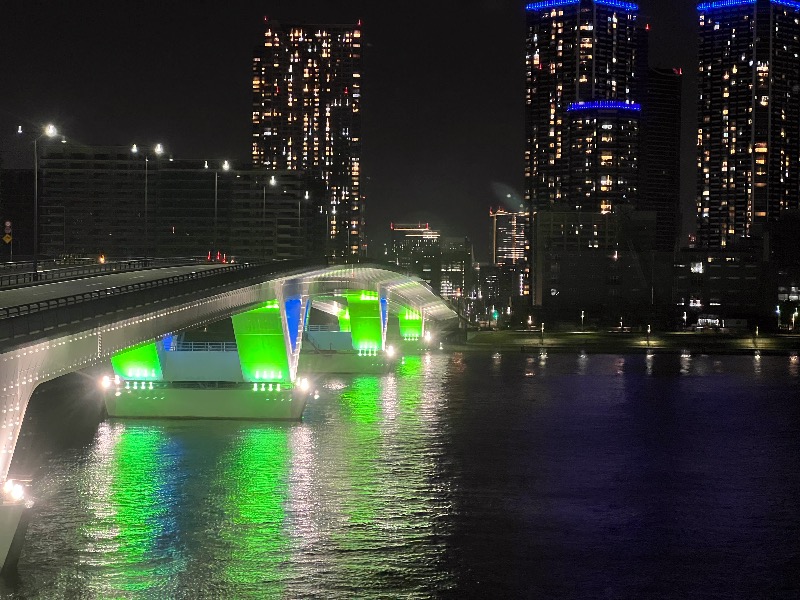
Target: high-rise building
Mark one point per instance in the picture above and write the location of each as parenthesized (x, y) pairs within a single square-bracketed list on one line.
[(457, 259), (511, 249), (660, 135), (417, 248), (307, 116), (509, 236), (582, 117), (748, 134)]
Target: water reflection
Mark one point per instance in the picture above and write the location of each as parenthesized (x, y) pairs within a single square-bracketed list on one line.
[(794, 365), (438, 480), (686, 363), (252, 489)]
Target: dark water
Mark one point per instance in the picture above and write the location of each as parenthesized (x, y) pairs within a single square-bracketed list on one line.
[(460, 476)]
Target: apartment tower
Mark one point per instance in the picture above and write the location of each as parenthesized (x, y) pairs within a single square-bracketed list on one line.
[(748, 136), (307, 116), (582, 118)]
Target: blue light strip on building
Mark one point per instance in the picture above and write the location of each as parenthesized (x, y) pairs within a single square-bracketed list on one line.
[(548, 4), (789, 3), (604, 105), (706, 6), (629, 6)]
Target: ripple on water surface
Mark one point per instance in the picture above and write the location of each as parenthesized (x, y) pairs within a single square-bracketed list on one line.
[(505, 475)]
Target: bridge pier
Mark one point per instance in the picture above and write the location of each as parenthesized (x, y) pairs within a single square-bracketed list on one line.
[(253, 378), (13, 524), (415, 337), (360, 344)]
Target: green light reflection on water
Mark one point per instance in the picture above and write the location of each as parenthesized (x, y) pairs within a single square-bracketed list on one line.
[(253, 486), (410, 381), (388, 502), (133, 537), (362, 404)]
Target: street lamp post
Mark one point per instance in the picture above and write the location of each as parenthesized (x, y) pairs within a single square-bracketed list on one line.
[(158, 150), (778, 312), (264, 225), (583, 314), (794, 316), (225, 167), (50, 131)]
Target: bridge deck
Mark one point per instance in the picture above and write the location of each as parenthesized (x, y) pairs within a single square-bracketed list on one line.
[(60, 289)]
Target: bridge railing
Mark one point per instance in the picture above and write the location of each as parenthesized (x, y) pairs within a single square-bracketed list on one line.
[(203, 347), (47, 315), (62, 273)]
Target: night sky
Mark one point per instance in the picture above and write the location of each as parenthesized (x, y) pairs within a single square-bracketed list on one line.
[(443, 89)]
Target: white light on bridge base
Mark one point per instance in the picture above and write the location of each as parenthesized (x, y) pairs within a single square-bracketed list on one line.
[(304, 385), (17, 492), (105, 382), (390, 351), (13, 490), (428, 336)]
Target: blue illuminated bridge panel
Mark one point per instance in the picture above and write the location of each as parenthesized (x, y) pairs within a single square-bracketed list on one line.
[(604, 105), (722, 4), (549, 4)]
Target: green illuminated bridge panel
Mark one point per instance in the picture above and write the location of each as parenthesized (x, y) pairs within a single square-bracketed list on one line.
[(262, 346), (411, 324), (139, 362), (366, 325)]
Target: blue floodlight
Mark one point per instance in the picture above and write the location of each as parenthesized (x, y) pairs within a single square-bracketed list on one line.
[(604, 105), (788, 3), (629, 6), (716, 4), (548, 4), (706, 6)]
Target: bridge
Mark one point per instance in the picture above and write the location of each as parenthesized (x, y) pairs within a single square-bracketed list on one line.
[(135, 322)]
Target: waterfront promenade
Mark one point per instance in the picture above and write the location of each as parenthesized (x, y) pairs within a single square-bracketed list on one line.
[(603, 342)]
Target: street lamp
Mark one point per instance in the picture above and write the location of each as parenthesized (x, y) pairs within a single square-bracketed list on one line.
[(158, 150), (226, 166), (794, 316), (49, 131), (583, 314), (778, 312)]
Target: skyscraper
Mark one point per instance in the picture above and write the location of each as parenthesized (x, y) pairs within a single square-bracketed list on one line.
[(581, 113), (307, 116), (511, 248), (748, 135), (660, 140), (509, 236)]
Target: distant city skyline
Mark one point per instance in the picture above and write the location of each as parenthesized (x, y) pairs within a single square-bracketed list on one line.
[(442, 118)]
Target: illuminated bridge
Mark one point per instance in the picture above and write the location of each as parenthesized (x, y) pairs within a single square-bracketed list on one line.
[(135, 323)]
